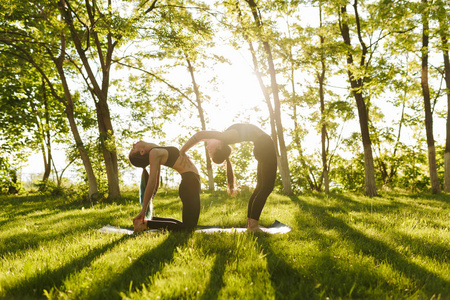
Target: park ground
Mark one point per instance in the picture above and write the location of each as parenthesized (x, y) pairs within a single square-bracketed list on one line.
[(394, 246)]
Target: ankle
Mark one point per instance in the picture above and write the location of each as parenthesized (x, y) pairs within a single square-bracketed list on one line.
[(252, 223)]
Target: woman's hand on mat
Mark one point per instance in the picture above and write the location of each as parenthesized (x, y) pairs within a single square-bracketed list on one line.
[(139, 219), (139, 223)]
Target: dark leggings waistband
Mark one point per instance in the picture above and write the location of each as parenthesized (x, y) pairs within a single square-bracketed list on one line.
[(189, 174)]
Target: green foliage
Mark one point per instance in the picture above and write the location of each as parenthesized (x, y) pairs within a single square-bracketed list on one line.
[(9, 183), (26, 104), (348, 174), (340, 246), (93, 147), (151, 42)]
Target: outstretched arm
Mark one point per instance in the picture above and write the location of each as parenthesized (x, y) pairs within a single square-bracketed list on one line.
[(203, 136), (152, 184)]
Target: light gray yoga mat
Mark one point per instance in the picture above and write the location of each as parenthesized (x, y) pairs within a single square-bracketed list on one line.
[(276, 227)]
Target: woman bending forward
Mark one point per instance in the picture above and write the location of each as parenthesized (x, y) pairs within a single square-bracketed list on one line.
[(264, 152)]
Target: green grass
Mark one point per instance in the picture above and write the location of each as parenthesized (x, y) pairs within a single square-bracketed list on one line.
[(341, 246)]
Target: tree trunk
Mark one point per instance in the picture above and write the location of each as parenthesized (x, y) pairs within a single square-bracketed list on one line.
[(296, 138), (447, 140), (203, 123), (264, 89), (109, 153), (434, 179), (273, 130), (92, 181), (99, 93), (369, 170), (46, 135), (324, 135), (284, 163), (357, 85)]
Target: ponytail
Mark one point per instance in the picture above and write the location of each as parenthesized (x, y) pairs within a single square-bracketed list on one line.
[(231, 182), (142, 187), (221, 155), (144, 176)]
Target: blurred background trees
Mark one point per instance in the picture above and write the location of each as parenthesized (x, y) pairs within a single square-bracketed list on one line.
[(354, 93)]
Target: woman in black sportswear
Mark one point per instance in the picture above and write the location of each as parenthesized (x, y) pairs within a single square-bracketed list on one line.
[(143, 154), (264, 152)]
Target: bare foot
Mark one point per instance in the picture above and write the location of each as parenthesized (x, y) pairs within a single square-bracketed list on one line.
[(253, 226)]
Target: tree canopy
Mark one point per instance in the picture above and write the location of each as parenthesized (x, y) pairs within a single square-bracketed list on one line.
[(355, 94)]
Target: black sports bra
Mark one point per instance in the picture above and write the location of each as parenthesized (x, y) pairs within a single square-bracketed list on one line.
[(174, 153)]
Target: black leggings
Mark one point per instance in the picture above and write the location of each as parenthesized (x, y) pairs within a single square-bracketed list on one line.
[(189, 192), (264, 151)]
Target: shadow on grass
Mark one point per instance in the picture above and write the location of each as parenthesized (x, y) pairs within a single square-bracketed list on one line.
[(345, 204), (429, 282), (284, 277), (144, 267), (216, 283), (43, 231), (442, 198), (432, 250), (54, 278), (225, 249), (17, 207)]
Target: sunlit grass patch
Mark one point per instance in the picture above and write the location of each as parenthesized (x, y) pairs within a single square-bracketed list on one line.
[(341, 246)]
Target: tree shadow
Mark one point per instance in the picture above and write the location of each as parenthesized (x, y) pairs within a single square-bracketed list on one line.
[(430, 282), (346, 203), (17, 207), (48, 279), (144, 267), (283, 276), (36, 236), (216, 283), (424, 248)]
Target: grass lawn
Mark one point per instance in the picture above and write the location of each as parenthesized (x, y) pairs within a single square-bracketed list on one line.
[(341, 246)]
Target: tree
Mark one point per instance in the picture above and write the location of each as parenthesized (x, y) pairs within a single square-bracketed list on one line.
[(25, 37), (181, 34), (25, 110), (259, 32), (189, 35), (443, 19), (202, 122), (434, 179), (387, 160), (357, 80), (99, 30), (321, 80)]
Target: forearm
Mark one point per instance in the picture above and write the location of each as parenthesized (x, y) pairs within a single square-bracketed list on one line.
[(149, 194), (190, 143), (199, 137)]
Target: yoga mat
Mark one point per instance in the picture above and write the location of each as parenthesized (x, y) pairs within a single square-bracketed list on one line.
[(276, 227)]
